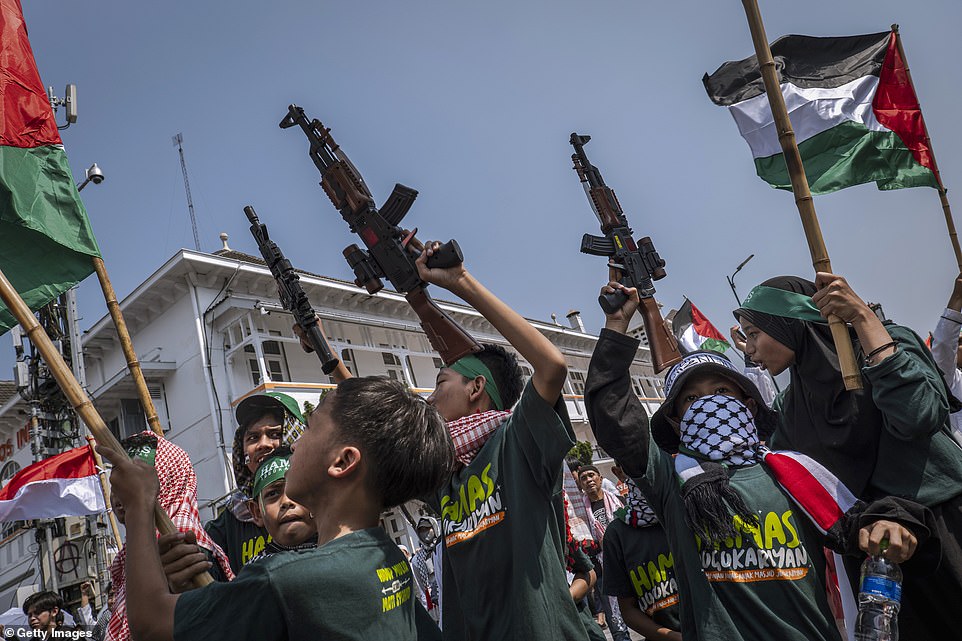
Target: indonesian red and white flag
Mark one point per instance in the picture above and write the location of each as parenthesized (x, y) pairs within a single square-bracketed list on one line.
[(62, 485)]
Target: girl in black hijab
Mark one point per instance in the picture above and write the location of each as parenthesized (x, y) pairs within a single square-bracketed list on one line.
[(888, 439)]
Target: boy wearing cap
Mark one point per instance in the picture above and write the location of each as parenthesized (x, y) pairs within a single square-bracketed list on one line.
[(748, 562), (502, 520), (351, 463), (264, 422)]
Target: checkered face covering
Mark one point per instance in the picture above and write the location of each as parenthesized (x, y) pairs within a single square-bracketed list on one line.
[(721, 429), (637, 512)]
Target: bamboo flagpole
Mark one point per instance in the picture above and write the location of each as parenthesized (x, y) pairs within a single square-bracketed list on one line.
[(75, 394), (946, 209), (133, 365), (105, 488), (803, 195)]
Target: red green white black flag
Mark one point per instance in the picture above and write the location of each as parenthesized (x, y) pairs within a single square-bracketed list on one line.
[(694, 331), (46, 243), (853, 109)]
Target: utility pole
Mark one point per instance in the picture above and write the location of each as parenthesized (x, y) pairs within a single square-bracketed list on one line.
[(179, 142)]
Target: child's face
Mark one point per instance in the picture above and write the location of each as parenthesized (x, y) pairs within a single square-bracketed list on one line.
[(765, 351), (451, 395), (262, 437), (312, 454), (707, 384), (42, 619), (288, 523)]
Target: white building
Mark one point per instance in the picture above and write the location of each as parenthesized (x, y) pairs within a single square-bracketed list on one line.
[(209, 330)]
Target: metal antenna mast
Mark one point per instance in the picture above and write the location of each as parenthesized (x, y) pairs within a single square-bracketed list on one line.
[(179, 142)]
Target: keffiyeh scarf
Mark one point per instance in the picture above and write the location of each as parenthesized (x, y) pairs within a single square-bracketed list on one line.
[(716, 432), (637, 512), (470, 433), (178, 497)]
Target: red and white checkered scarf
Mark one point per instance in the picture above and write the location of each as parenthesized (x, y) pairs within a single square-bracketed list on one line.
[(469, 434), (178, 497)]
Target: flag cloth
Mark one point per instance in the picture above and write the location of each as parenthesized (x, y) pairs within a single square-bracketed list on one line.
[(46, 244), (695, 332), (62, 485), (853, 109)]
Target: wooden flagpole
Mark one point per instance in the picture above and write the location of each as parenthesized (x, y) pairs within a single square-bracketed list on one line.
[(105, 488), (75, 394), (946, 209), (803, 195), (128, 347)]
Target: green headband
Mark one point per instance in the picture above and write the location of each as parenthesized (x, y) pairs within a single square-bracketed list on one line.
[(146, 453), (472, 367), (779, 302), (271, 470)]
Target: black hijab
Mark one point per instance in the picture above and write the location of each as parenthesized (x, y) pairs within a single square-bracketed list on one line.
[(819, 417)]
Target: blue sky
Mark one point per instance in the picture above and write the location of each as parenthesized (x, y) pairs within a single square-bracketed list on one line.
[(473, 105)]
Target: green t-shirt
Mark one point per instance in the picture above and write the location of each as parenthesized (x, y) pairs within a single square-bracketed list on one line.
[(503, 565), (768, 583), (356, 587), (638, 563), (240, 540)]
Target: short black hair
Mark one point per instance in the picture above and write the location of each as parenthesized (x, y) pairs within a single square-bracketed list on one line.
[(406, 441), (44, 601), (573, 462), (505, 370)]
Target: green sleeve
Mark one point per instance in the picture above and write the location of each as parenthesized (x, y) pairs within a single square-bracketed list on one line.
[(908, 388), (246, 608), (542, 433)]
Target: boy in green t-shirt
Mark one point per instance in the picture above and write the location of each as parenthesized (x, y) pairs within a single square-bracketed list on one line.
[(352, 462), (502, 518), (288, 524), (748, 562)]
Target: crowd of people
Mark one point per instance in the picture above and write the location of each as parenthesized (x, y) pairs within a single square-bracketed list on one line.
[(711, 531)]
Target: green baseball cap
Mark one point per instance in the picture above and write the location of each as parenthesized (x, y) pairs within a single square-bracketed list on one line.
[(256, 405), (274, 468)]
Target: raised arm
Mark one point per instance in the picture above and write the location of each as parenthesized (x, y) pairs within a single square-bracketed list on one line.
[(547, 361), (619, 421), (906, 384)]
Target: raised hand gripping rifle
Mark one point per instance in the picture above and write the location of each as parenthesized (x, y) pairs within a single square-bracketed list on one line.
[(391, 250), (292, 295), (639, 265)]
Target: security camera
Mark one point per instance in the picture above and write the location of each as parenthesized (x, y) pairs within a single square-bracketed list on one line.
[(94, 174)]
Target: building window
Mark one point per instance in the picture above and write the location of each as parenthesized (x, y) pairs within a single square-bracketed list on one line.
[(438, 363), (526, 373), (577, 382), (639, 387), (392, 365), (275, 359), (8, 471), (347, 357)]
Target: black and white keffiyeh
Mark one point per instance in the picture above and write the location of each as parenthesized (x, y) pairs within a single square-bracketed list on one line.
[(716, 432), (637, 512)]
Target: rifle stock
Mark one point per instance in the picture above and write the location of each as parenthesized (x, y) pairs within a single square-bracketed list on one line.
[(447, 337), (663, 345)]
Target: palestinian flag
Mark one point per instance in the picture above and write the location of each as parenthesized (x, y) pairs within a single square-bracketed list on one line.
[(62, 485), (854, 111), (46, 244), (695, 332)]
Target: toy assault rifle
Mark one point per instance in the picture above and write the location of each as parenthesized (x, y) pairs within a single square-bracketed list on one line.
[(292, 295), (391, 250), (639, 265)]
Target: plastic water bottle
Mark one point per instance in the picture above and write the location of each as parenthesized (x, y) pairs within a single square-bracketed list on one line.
[(879, 598)]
